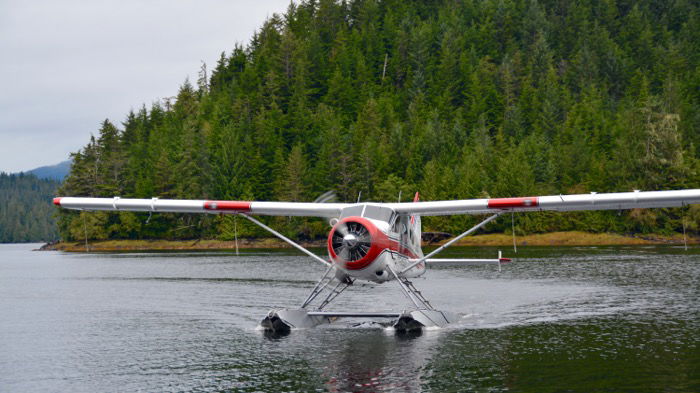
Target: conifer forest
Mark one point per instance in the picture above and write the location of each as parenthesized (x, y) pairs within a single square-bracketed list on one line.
[(454, 99), (26, 214)]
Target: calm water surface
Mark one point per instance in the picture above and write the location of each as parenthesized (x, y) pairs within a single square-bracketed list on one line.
[(606, 319)]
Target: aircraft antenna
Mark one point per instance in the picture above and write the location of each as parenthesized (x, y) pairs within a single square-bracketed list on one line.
[(399, 196), (359, 195), (685, 239), (235, 232), (512, 230), (87, 247)]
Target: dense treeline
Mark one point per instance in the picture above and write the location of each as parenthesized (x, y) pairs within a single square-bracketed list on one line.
[(456, 99), (26, 212)]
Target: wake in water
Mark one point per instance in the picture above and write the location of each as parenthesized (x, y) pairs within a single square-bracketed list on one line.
[(492, 303), (525, 302)]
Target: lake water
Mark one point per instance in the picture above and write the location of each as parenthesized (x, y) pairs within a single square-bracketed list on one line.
[(576, 319)]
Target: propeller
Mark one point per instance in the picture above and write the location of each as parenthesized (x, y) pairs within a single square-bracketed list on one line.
[(326, 197), (351, 241)]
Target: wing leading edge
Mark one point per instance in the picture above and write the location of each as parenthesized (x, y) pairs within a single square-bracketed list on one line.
[(202, 206), (593, 201)]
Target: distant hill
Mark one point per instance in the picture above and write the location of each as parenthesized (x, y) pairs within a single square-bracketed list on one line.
[(55, 172), (26, 212)]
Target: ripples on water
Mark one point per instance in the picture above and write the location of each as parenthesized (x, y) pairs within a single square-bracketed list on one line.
[(557, 319)]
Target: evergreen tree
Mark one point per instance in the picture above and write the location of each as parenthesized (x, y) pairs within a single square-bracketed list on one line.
[(454, 99), (26, 212)]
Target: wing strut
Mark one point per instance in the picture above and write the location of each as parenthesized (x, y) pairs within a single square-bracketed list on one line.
[(286, 239), (456, 238)]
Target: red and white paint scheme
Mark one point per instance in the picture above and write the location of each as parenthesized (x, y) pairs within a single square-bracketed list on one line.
[(592, 201), (381, 242)]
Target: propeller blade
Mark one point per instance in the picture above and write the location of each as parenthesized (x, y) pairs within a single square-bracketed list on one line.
[(328, 196), (342, 229), (351, 241), (344, 253)]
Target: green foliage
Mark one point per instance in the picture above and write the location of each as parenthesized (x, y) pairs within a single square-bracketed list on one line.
[(26, 212), (456, 99)]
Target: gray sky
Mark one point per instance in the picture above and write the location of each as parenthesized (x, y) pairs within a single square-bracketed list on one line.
[(67, 65)]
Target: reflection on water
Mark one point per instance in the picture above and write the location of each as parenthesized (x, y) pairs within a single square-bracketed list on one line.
[(558, 319)]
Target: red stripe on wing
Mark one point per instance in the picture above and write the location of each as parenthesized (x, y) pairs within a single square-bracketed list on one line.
[(506, 203), (227, 206)]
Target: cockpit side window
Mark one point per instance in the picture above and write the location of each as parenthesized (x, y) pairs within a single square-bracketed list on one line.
[(402, 228)]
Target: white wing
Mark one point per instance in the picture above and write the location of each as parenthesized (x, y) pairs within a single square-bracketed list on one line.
[(611, 201), (202, 206), (593, 201)]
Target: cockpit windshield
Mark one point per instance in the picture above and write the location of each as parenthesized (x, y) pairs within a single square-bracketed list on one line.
[(369, 211), (378, 213), (352, 211)]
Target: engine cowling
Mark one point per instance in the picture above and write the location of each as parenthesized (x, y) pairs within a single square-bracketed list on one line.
[(355, 242)]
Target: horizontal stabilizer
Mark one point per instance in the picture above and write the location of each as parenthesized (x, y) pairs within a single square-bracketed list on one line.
[(467, 261), (458, 261), (461, 261)]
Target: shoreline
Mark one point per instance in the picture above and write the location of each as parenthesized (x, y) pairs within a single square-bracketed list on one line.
[(547, 239)]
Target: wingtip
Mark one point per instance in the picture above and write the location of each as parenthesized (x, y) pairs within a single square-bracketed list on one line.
[(57, 201)]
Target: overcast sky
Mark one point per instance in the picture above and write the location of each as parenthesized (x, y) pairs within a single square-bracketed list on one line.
[(67, 65)]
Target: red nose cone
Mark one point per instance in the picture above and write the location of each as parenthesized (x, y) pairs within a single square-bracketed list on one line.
[(354, 243)]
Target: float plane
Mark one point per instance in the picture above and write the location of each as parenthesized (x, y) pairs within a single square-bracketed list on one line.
[(381, 242)]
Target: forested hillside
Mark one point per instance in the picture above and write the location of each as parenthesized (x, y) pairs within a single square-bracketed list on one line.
[(26, 212), (455, 99)]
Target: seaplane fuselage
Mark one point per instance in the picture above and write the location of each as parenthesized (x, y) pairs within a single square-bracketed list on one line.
[(367, 242)]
